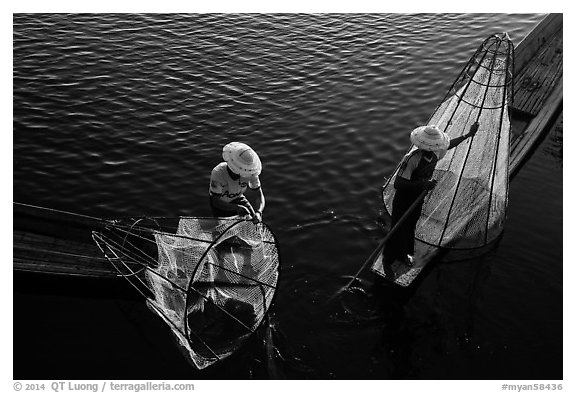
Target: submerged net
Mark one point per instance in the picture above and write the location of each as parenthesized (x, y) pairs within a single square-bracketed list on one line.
[(467, 208), (211, 280)]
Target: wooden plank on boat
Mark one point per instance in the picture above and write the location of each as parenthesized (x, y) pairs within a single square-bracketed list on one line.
[(548, 84), (522, 145), (529, 45), (540, 49), (404, 275), (536, 81)]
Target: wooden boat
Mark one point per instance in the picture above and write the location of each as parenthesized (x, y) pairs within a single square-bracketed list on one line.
[(537, 100), (537, 87)]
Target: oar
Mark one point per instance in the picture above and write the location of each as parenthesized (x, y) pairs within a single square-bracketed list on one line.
[(383, 242)]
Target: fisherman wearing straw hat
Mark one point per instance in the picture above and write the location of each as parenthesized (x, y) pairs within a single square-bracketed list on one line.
[(413, 177), (229, 180)]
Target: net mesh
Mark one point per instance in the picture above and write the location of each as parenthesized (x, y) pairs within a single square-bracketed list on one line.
[(211, 280), (467, 208)]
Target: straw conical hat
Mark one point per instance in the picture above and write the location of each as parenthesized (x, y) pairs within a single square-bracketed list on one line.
[(241, 159), (430, 138)]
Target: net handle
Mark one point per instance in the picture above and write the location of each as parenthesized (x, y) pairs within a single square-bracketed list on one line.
[(384, 241)]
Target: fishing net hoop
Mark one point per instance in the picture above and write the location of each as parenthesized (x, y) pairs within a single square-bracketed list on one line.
[(494, 56), (225, 294)]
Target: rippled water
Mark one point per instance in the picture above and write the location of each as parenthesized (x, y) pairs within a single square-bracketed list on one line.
[(118, 115)]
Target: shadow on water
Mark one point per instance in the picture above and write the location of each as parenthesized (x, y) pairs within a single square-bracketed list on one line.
[(281, 363), (410, 327), (102, 328), (382, 305)]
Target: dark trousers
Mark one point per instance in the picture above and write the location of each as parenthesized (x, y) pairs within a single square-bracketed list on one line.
[(401, 242), (224, 213)]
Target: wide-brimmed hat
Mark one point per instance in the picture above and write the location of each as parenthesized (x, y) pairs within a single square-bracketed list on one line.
[(241, 159), (430, 138)]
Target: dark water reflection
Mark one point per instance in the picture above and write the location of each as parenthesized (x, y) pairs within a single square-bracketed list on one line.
[(118, 115)]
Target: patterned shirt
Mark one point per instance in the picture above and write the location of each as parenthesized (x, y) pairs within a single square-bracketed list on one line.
[(228, 189)]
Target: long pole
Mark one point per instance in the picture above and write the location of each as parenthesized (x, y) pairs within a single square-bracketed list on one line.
[(384, 241)]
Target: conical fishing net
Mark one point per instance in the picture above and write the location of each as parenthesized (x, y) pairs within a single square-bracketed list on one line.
[(211, 280), (467, 208)]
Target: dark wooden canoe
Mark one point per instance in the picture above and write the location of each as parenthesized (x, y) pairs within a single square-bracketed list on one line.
[(537, 87)]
